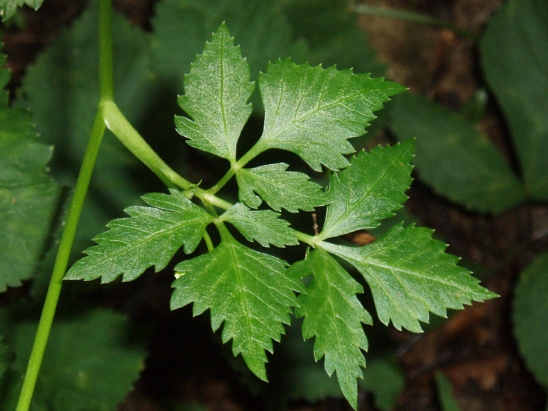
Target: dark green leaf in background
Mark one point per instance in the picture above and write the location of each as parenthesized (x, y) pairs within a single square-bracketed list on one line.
[(216, 94), (279, 188), (530, 316), (385, 379), (150, 237), (334, 316), (368, 191), (10, 380), (312, 111), (514, 53), (247, 290), (332, 34), (63, 93), (63, 89), (90, 364), (410, 275), (454, 158), (446, 395), (263, 226), (28, 195), (181, 28)]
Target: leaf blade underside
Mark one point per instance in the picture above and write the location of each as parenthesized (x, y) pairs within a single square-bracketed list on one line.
[(410, 275), (149, 237), (334, 316)]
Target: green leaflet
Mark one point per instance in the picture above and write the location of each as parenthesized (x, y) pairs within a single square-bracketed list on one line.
[(264, 226), (530, 313), (9, 7), (28, 195), (216, 94), (312, 111), (518, 75), (334, 316), (151, 236), (247, 290), (410, 275), (91, 362), (371, 189), (454, 158), (279, 188)]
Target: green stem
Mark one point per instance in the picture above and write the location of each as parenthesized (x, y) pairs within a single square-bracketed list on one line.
[(257, 149), (305, 238), (410, 16), (126, 133), (75, 210), (61, 261), (106, 77), (208, 241)]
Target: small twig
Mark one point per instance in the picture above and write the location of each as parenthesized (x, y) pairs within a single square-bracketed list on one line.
[(315, 224), (410, 16)]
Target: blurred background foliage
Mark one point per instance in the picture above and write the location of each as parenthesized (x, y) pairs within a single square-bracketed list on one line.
[(478, 106)]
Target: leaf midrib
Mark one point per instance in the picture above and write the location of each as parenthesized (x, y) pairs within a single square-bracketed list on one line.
[(361, 199)]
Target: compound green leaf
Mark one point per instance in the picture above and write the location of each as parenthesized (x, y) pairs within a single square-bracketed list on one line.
[(279, 188), (216, 94), (247, 290), (90, 364), (312, 111), (530, 313), (263, 226), (28, 196), (454, 158), (151, 236), (9, 7), (371, 189), (410, 275), (518, 75), (334, 316)]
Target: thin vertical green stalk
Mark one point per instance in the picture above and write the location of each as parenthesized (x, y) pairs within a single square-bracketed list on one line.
[(67, 239), (61, 261), (106, 77)]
